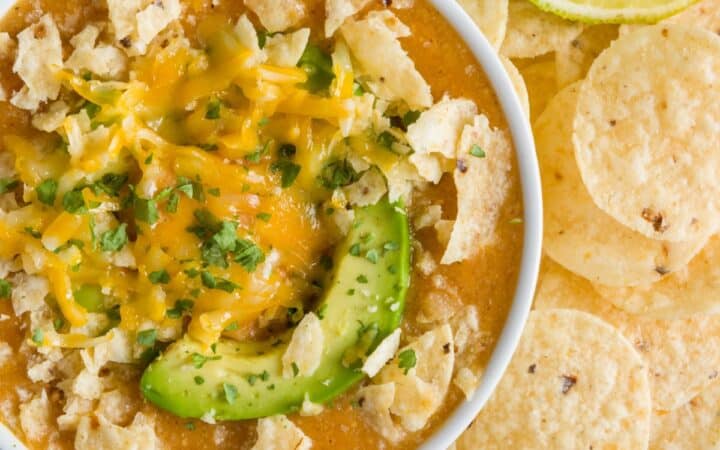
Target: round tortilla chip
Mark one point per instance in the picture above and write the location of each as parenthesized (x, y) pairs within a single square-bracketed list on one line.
[(518, 83), (578, 234), (574, 58), (695, 425), (491, 16), (574, 383), (541, 83), (532, 32), (688, 292), (646, 132), (704, 14), (682, 356)]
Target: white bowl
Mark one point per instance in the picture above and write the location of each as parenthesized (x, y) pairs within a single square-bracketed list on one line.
[(523, 141)]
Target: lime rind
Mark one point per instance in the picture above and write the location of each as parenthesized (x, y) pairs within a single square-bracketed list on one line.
[(596, 13)]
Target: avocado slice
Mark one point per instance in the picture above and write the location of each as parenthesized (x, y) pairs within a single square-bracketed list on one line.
[(363, 303)]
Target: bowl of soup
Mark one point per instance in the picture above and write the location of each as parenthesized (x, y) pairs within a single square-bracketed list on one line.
[(261, 224)]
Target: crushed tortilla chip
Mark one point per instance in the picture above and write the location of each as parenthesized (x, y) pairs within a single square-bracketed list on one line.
[(35, 417), (421, 391), (103, 60), (435, 135), (374, 43), (153, 19), (375, 402), (6, 45), (382, 354), (140, 435), (246, 33), (481, 188), (467, 381), (277, 432), (304, 353), (53, 118), (278, 15), (285, 50), (39, 58), (339, 10), (368, 190)]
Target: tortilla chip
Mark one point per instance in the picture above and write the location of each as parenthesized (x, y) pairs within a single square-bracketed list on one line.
[(304, 352), (245, 31), (578, 234), (518, 83), (574, 58), (53, 118), (482, 186), (154, 19), (704, 14), (695, 425), (107, 436), (285, 50), (574, 383), (491, 16), (39, 58), (383, 353), (339, 10), (373, 42), (541, 83), (375, 402), (532, 32), (434, 136), (645, 135), (685, 293), (682, 356), (421, 391), (278, 432), (122, 15), (278, 15), (368, 190), (103, 60)]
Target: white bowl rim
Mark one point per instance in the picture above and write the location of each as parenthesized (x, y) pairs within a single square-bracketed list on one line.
[(523, 141)]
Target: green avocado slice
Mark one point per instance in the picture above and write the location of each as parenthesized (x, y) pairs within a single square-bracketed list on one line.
[(363, 303)]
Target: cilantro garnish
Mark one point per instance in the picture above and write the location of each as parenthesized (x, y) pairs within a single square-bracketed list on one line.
[(407, 360), (5, 289), (231, 392), (114, 240), (159, 277), (477, 151), (147, 337), (46, 191)]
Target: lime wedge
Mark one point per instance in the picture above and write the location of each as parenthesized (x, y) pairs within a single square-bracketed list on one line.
[(613, 11)]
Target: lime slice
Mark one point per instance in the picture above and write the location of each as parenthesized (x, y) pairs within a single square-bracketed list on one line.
[(614, 11)]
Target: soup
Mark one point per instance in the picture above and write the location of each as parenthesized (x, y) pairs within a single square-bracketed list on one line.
[(216, 218)]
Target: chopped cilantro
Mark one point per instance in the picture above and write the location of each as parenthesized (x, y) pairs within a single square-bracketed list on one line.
[(146, 210), (159, 277), (199, 360), (114, 240), (355, 250), (248, 254), (362, 279), (147, 337), (231, 393), (199, 380), (149, 159), (232, 327), (321, 311), (213, 255), (173, 202), (338, 174), (265, 217), (190, 426), (288, 172), (477, 151), (5, 289), (410, 118), (372, 256), (74, 202), (259, 152), (46, 191), (181, 306), (264, 121), (251, 379), (287, 151), (212, 282), (295, 369), (91, 108), (391, 246), (226, 237), (213, 110), (32, 232), (407, 360), (386, 139), (110, 183), (265, 375)]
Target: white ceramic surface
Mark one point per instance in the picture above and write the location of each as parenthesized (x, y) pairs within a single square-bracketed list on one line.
[(461, 418)]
